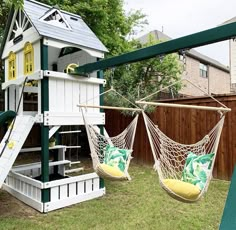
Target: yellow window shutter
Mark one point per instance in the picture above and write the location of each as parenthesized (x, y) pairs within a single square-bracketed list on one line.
[(12, 66), (28, 58)]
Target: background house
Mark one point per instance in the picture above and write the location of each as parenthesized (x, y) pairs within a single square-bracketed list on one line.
[(212, 76), (232, 58)]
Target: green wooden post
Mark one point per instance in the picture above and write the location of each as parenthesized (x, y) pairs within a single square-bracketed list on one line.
[(228, 220), (44, 129), (101, 90)]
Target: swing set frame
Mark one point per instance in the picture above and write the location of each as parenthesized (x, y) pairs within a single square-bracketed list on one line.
[(217, 34)]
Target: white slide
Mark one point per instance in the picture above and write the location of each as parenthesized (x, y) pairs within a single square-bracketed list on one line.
[(20, 131)]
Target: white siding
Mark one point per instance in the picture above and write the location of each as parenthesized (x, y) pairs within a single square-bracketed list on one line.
[(233, 61), (65, 95), (20, 63), (37, 56), (30, 35)]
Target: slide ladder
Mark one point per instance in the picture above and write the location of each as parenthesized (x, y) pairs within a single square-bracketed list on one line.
[(20, 131)]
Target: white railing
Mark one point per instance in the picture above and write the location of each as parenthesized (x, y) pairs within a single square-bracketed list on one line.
[(25, 189), (63, 192)]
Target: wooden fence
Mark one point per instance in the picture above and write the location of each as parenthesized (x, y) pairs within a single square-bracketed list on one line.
[(185, 126)]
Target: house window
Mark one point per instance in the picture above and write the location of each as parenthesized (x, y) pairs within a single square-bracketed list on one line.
[(181, 57), (203, 70), (28, 58), (12, 66)]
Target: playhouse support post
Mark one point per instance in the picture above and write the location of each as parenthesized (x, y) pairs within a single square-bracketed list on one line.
[(44, 129), (101, 90)]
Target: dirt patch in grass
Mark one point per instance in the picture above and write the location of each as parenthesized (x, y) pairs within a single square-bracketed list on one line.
[(10, 206)]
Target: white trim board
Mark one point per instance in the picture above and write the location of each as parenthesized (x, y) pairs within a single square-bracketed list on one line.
[(85, 177), (38, 165), (24, 198), (60, 118), (33, 149), (50, 206), (53, 130), (61, 44), (38, 75), (65, 76)]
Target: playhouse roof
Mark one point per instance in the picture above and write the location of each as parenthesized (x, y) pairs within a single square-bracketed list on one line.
[(76, 32)]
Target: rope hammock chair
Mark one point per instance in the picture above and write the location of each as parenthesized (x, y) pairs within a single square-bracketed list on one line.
[(111, 155), (184, 170)]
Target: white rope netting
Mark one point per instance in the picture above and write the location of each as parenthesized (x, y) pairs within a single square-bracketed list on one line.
[(170, 156), (98, 142)]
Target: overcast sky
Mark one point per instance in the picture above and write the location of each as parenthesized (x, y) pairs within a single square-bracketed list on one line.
[(183, 17)]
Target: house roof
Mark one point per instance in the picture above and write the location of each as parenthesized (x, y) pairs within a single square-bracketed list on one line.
[(158, 35), (78, 33), (229, 21)]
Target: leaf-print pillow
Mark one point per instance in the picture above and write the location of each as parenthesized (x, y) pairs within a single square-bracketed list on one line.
[(116, 157), (197, 168)]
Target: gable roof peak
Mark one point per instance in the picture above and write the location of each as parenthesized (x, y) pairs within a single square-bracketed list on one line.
[(56, 7), (61, 25)]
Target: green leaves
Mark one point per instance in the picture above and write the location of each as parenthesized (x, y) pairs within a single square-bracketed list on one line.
[(137, 80), (16, 3)]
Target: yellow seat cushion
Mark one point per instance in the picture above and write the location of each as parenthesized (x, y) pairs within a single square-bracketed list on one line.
[(181, 188), (113, 171)]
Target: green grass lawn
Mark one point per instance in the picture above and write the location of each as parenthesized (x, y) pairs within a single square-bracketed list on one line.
[(138, 204)]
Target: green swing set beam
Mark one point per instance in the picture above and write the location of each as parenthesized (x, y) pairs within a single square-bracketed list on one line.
[(202, 38)]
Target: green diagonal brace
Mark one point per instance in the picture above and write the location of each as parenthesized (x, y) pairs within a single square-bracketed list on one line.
[(228, 220), (206, 37)]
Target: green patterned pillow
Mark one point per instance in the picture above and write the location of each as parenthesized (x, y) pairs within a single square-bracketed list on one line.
[(116, 157), (197, 168)]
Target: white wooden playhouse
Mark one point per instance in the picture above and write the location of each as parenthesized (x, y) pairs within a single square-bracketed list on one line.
[(39, 43)]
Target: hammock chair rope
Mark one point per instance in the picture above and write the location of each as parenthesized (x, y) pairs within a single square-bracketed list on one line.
[(137, 108), (223, 107), (98, 143), (170, 156)]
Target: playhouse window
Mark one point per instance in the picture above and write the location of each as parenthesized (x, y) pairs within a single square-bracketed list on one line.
[(68, 50), (12, 66), (55, 17), (28, 58)]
